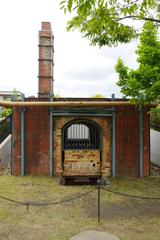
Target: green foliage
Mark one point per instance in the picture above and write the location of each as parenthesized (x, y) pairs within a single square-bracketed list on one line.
[(57, 95), (4, 129), (5, 112), (98, 95), (105, 22), (155, 117), (143, 84), (4, 125)]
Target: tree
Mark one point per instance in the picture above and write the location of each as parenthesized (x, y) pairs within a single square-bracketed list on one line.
[(143, 84), (106, 22), (98, 95)]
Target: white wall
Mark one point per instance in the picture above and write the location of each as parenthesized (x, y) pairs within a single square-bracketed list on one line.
[(155, 147)]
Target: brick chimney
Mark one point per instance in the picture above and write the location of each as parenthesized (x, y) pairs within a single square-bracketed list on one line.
[(45, 83)]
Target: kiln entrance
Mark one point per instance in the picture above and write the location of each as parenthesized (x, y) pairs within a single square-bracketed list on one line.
[(81, 148)]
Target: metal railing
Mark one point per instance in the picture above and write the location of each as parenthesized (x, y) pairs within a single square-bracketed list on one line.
[(100, 186)]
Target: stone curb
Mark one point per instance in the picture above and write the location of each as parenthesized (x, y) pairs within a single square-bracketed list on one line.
[(93, 235)]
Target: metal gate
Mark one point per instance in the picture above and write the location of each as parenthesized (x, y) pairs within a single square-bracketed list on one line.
[(81, 148)]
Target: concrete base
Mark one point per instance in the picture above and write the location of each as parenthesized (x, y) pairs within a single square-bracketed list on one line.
[(155, 147), (93, 235)]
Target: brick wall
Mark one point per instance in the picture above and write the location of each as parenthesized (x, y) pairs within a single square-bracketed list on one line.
[(17, 141), (37, 141), (146, 142), (82, 162), (127, 141)]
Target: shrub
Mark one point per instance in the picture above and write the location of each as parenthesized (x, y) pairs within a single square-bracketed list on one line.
[(155, 117)]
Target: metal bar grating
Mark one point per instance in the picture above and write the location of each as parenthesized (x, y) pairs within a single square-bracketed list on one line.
[(81, 135)]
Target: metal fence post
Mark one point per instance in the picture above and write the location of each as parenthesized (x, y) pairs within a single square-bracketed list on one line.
[(140, 130), (51, 143), (22, 137), (22, 142), (99, 200), (12, 143)]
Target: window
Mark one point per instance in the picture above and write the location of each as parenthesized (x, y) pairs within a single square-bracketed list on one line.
[(81, 134), (78, 131)]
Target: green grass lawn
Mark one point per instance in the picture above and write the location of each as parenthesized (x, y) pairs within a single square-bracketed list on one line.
[(127, 218)]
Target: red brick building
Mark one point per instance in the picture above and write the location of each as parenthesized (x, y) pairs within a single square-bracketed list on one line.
[(77, 137)]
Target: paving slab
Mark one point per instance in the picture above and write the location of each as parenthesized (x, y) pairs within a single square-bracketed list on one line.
[(93, 235)]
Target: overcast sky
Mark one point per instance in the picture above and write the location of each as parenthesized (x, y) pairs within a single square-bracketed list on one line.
[(80, 70)]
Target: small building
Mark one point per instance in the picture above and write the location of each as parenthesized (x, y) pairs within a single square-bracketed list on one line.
[(73, 137), (9, 95)]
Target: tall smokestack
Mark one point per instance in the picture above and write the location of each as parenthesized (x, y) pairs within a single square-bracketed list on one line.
[(45, 84)]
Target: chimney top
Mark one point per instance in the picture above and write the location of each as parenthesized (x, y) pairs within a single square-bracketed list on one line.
[(45, 83), (46, 26)]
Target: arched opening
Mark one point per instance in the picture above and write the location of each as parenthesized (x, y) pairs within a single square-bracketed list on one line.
[(81, 134), (81, 148)]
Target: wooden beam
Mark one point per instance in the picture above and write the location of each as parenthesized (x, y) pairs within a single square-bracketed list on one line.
[(71, 104)]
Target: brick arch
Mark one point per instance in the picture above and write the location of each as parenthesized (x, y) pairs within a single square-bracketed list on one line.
[(105, 125), (81, 134)]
